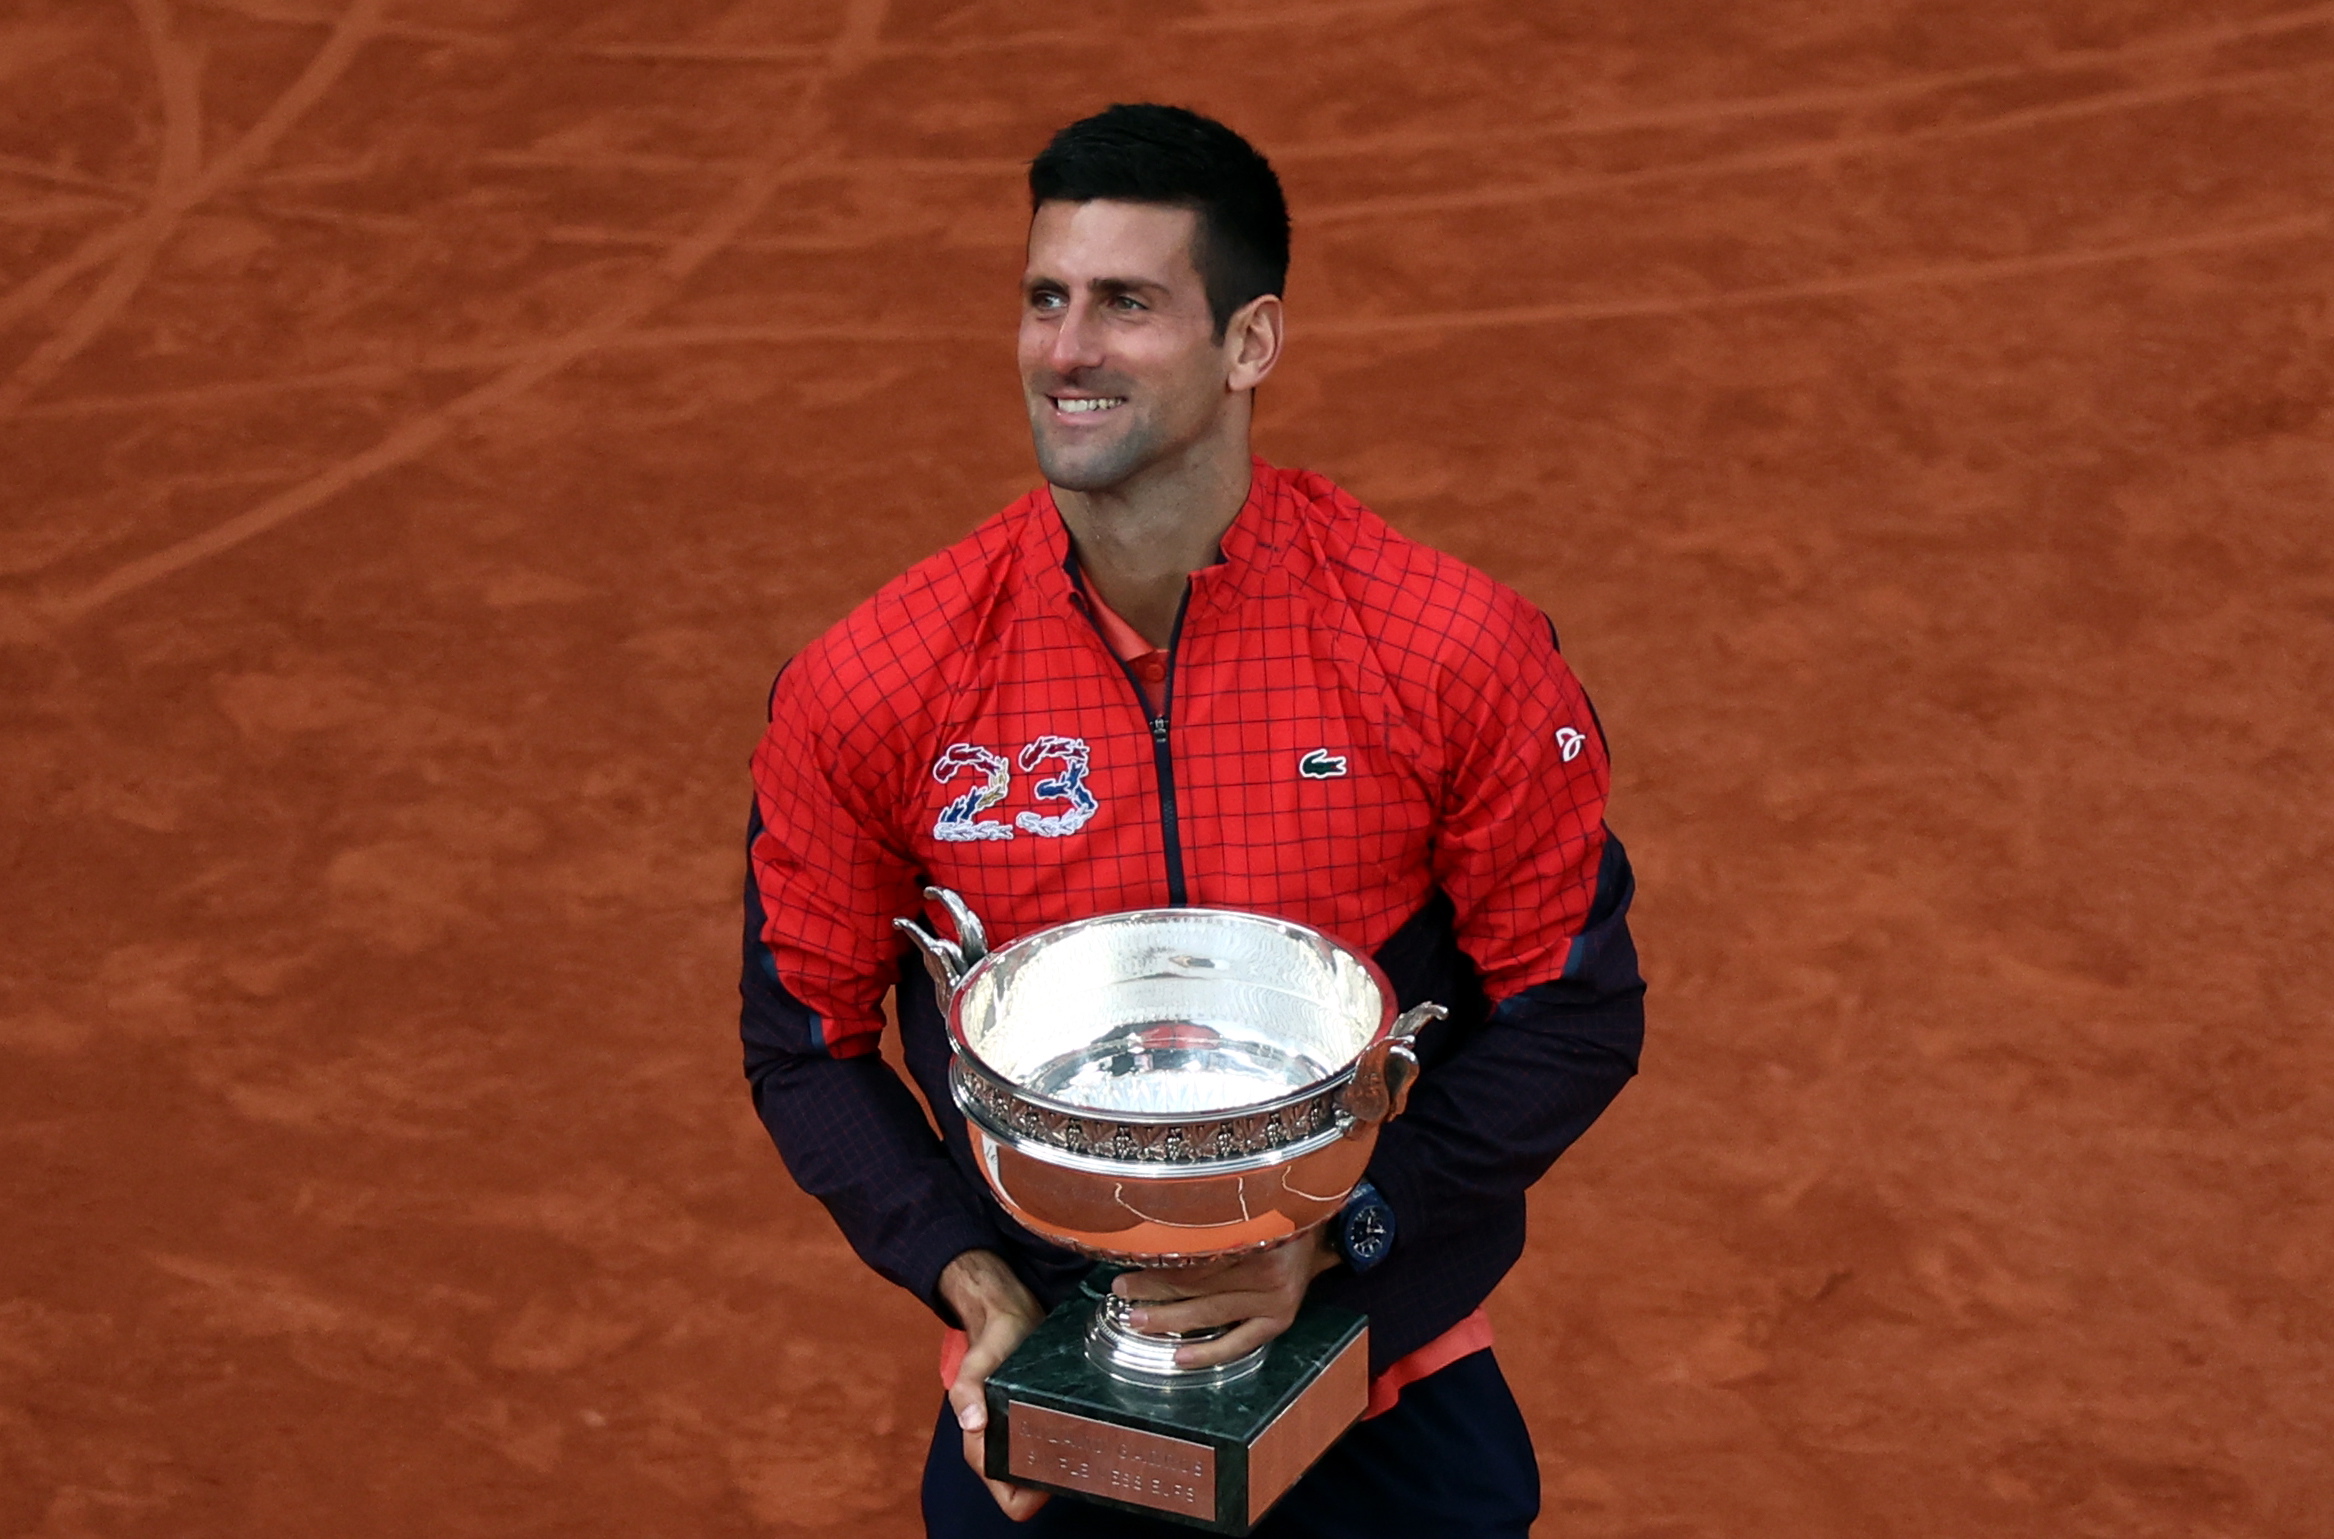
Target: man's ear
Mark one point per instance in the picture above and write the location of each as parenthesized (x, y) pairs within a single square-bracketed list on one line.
[(1252, 342)]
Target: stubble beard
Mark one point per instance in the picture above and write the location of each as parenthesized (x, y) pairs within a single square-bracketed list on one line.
[(1095, 467)]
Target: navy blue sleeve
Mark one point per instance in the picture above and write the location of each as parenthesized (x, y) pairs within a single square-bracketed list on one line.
[(1497, 1104), (1489, 1120), (853, 1135)]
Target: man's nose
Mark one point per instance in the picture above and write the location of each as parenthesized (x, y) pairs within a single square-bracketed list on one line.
[(1077, 341)]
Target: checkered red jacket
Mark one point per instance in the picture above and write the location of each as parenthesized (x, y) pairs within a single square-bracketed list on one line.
[(1357, 732)]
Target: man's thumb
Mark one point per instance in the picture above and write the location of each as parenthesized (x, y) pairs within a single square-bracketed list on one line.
[(971, 1402)]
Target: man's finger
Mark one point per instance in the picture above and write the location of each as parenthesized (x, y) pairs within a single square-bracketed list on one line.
[(971, 1405), (994, 1343), (1142, 1287), (1267, 1269), (1234, 1343), (1197, 1314), (1019, 1503), (982, 1355), (1178, 1282), (969, 1393), (980, 1360)]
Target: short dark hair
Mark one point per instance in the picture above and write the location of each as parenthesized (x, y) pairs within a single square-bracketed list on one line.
[(1145, 153)]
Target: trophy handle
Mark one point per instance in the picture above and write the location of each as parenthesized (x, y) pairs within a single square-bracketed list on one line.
[(948, 961), (1401, 1074), (1383, 1076), (1407, 1024)]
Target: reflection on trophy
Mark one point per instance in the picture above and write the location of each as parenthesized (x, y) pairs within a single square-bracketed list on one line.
[(1162, 1088)]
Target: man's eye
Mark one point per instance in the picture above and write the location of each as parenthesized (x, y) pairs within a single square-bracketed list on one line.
[(1125, 302), (1042, 301)]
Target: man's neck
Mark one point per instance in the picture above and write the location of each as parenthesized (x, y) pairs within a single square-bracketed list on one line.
[(1139, 543)]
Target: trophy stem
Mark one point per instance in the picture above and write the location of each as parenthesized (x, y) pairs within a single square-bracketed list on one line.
[(1137, 1357)]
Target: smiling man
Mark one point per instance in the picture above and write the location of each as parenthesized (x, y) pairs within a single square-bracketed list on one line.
[(1174, 674)]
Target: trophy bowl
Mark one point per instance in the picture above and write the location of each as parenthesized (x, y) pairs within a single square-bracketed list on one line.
[(1165, 1087)]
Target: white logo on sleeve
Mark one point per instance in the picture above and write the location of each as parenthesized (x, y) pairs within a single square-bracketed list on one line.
[(1569, 742)]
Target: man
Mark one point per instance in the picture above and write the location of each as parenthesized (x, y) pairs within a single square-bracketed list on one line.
[(1174, 675)]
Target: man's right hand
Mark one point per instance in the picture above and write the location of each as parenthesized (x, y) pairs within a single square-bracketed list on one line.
[(997, 1312)]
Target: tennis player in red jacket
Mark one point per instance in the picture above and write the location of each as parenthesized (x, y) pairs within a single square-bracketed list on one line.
[(1175, 674)]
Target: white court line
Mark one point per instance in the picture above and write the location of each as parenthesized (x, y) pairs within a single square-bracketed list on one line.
[(853, 43)]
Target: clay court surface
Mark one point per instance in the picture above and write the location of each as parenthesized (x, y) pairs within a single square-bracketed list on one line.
[(425, 426)]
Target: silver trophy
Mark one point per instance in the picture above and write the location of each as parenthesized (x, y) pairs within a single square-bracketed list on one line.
[(1161, 1088)]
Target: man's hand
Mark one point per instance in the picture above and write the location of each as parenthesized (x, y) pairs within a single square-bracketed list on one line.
[(997, 1313), (1259, 1293)]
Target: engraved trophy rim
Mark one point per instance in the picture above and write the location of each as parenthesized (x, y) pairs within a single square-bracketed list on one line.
[(1160, 1170)]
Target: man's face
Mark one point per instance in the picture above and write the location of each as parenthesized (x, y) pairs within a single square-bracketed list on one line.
[(1120, 365)]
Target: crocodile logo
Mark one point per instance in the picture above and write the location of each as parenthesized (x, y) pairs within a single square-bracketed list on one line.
[(1321, 764)]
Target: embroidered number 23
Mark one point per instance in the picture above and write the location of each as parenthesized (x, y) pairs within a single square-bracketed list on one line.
[(960, 822)]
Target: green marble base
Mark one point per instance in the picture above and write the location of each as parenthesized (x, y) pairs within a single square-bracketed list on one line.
[(1214, 1458)]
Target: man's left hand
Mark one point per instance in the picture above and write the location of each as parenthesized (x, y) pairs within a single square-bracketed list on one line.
[(1258, 1294)]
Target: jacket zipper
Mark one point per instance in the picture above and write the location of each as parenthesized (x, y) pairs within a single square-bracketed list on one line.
[(1162, 761), (1170, 830)]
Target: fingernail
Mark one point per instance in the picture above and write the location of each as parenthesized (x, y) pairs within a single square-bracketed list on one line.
[(972, 1417), (1140, 1319)]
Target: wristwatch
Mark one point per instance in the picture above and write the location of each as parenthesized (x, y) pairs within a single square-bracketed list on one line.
[(1364, 1228)]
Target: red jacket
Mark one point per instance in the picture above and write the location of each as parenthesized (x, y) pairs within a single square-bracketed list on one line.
[(1358, 732), (1352, 720)]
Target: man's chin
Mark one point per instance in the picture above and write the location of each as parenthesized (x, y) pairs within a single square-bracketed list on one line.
[(1091, 468)]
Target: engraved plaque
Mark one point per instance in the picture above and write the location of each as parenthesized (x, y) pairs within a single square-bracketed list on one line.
[(1126, 1464), (1316, 1418)]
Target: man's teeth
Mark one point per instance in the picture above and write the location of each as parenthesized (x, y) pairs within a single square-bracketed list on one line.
[(1091, 403)]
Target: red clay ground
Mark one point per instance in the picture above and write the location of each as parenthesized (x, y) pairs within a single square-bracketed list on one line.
[(426, 425)]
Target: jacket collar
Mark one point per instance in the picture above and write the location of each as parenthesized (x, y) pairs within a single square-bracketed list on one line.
[(1264, 527)]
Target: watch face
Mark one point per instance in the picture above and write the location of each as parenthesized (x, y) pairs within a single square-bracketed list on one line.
[(1366, 1235)]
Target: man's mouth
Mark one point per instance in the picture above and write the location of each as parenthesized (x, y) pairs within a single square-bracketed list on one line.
[(1079, 405)]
